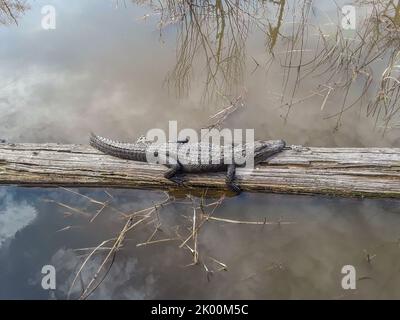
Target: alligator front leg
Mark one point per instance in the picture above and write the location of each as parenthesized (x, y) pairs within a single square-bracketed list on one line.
[(230, 176), (172, 172)]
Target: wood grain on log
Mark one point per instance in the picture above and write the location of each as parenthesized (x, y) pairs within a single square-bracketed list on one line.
[(365, 172)]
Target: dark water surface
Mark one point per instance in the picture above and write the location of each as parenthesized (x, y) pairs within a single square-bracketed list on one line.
[(107, 69)]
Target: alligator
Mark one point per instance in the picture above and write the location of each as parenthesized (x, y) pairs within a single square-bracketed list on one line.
[(178, 158)]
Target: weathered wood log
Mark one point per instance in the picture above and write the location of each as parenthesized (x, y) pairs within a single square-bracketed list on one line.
[(364, 172)]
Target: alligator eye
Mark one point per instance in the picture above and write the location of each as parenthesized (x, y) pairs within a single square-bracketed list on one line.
[(156, 153)]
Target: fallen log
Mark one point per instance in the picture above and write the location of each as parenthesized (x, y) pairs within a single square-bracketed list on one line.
[(350, 172)]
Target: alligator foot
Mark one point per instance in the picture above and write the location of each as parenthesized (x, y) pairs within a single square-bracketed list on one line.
[(234, 188), (171, 174), (173, 170), (180, 181), (230, 176)]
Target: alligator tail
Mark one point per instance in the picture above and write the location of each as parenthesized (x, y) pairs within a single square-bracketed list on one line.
[(115, 148)]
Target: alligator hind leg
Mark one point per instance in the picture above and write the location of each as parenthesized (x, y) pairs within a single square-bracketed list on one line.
[(230, 176), (172, 172)]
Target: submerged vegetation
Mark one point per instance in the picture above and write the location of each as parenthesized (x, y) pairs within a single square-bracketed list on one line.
[(185, 234)]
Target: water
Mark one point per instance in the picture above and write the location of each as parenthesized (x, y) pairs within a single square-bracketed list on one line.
[(106, 69)]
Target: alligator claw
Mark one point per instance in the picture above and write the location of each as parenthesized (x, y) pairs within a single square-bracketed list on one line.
[(234, 188)]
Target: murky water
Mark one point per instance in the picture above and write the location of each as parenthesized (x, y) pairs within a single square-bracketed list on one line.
[(108, 68)]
